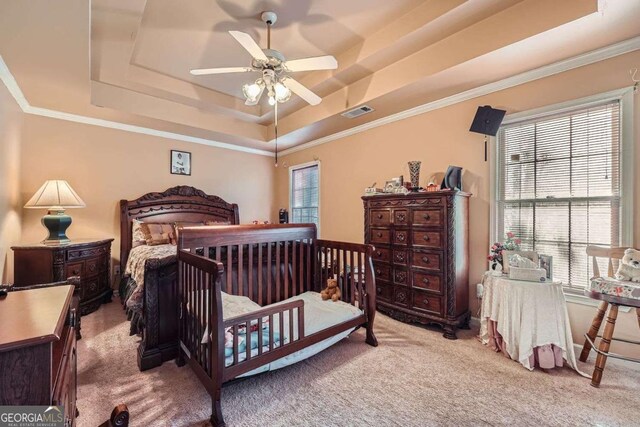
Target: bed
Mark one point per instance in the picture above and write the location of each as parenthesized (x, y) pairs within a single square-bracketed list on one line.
[(154, 314), (249, 299)]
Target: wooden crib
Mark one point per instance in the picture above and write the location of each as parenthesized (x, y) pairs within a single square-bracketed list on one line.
[(268, 264)]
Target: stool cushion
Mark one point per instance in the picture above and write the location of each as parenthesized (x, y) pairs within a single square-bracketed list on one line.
[(615, 287)]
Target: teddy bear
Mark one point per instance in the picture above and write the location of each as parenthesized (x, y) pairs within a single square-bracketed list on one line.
[(629, 268), (331, 291)]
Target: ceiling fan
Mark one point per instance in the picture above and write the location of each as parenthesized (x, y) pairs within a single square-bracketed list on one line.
[(275, 69)]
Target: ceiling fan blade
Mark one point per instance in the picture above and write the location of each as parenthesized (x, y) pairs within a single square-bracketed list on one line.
[(301, 91), (247, 102), (327, 62), (223, 70), (249, 44)]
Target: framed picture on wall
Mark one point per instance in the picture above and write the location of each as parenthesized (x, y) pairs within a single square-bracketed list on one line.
[(180, 162)]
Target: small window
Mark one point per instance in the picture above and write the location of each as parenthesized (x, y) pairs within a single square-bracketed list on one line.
[(304, 197)]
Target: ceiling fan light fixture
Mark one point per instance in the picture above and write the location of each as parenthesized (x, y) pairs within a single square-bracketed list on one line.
[(282, 93), (253, 91), (272, 100)]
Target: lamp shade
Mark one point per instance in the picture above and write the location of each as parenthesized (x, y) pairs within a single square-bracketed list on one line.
[(55, 193)]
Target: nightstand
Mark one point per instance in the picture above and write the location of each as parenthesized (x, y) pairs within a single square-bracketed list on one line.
[(87, 258)]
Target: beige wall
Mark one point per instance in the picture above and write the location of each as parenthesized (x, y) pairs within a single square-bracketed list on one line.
[(440, 138), (10, 126), (106, 165)]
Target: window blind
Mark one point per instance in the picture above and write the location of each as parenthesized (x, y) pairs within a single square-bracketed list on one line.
[(305, 195), (558, 186)]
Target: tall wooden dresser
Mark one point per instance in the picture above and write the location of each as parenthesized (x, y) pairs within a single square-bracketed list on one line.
[(38, 349), (421, 256), (85, 258)]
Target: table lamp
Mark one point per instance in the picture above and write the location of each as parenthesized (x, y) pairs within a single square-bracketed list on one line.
[(55, 195)]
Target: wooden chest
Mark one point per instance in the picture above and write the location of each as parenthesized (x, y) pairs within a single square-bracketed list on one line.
[(88, 259), (38, 349), (421, 258)]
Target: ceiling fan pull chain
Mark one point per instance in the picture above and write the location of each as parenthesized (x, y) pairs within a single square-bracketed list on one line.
[(276, 129)]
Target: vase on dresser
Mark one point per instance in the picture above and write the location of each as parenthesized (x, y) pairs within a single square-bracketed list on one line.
[(421, 256), (414, 173)]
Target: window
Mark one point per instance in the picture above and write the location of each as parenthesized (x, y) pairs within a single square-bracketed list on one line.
[(559, 185), (304, 187)]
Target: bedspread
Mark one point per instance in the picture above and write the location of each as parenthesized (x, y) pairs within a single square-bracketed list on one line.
[(136, 263)]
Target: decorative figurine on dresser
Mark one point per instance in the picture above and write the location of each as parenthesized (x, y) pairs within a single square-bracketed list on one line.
[(421, 256), (88, 259)]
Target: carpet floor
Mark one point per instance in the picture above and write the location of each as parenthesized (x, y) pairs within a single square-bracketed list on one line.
[(413, 378)]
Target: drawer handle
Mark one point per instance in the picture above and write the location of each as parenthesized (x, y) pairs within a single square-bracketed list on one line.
[(400, 237), (378, 272), (379, 234), (401, 217), (426, 260), (427, 217), (426, 238), (379, 253), (400, 257), (92, 267), (75, 272), (425, 281), (379, 290), (425, 301), (400, 277), (379, 216)]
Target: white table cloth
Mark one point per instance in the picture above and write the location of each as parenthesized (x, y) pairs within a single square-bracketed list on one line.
[(528, 316)]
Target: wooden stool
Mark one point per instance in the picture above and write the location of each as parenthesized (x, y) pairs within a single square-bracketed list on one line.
[(612, 303)]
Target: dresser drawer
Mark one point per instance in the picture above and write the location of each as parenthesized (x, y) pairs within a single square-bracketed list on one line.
[(401, 295), (94, 266), (424, 301), (380, 217), (92, 287), (75, 269), (75, 254), (382, 254), (401, 217), (400, 237), (400, 256), (400, 276), (428, 217), (379, 235), (384, 290), (430, 282), (427, 260), (383, 272), (428, 239)]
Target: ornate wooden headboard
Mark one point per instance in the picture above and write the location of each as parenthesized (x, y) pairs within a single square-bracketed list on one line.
[(181, 203)]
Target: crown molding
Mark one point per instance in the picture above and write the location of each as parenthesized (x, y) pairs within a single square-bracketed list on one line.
[(15, 91), (582, 60)]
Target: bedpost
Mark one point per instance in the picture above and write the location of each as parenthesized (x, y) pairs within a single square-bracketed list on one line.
[(370, 299)]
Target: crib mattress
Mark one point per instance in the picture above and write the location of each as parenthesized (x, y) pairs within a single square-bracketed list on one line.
[(318, 315)]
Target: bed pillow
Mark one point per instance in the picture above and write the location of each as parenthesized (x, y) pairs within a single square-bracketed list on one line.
[(137, 236), (188, 223), (158, 234)]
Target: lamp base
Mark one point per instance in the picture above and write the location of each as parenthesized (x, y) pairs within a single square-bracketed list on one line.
[(57, 222)]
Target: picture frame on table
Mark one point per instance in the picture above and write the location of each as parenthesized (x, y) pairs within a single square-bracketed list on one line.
[(180, 162), (506, 255), (546, 262)]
